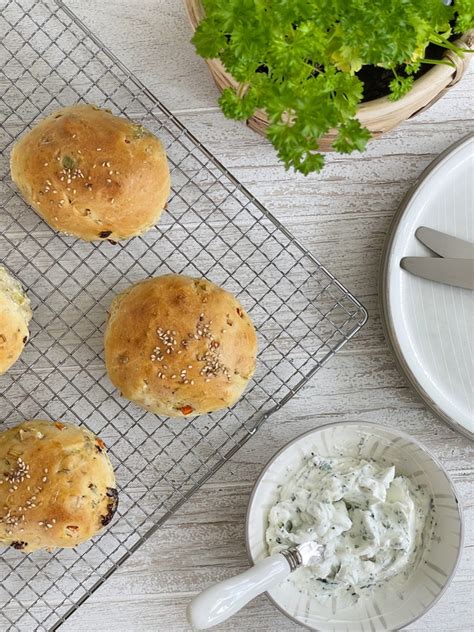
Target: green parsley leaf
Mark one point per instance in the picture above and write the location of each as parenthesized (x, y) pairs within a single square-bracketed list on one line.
[(399, 86)]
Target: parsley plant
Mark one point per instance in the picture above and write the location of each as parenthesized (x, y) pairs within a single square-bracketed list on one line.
[(297, 59)]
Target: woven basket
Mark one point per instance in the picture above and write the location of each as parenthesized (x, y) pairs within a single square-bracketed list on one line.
[(379, 115)]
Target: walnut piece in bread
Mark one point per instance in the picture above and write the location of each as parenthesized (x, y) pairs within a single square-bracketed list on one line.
[(179, 346), (57, 486), (91, 174), (15, 315)]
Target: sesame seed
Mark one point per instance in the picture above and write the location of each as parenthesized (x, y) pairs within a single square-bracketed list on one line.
[(109, 180), (99, 149), (46, 164), (17, 475)]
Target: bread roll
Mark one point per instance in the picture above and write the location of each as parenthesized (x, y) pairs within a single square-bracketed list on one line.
[(57, 486), (15, 314), (179, 346), (91, 174)]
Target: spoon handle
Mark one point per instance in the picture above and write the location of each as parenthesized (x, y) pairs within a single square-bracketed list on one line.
[(221, 601)]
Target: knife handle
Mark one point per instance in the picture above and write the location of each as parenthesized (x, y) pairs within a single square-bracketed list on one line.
[(221, 601)]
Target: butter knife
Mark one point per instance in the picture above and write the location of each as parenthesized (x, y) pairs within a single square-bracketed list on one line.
[(458, 272), (445, 245)]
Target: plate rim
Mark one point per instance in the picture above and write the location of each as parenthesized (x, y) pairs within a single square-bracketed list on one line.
[(353, 422), (387, 323)]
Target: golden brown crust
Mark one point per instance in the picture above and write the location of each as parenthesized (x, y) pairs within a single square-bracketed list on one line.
[(15, 314), (91, 174), (57, 486), (179, 346)]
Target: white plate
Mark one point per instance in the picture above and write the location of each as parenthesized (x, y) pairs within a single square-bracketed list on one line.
[(384, 609), (431, 325)]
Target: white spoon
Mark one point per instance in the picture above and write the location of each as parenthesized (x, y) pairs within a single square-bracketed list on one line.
[(219, 602)]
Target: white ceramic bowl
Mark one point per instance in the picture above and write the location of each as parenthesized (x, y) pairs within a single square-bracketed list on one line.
[(383, 610)]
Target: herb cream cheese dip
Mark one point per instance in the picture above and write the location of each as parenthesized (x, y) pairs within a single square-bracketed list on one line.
[(371, 521)]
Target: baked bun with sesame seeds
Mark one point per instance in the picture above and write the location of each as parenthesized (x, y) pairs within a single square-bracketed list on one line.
[(179, 346), (15, 315), (57, 486), (91, 174)]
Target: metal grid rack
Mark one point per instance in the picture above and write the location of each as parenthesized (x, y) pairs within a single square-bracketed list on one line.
[(213, 228)]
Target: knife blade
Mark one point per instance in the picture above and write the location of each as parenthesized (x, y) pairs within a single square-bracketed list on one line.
[(458, 272), (445, 245)]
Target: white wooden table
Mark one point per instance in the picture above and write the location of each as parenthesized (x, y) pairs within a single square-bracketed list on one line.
[(342, 215)]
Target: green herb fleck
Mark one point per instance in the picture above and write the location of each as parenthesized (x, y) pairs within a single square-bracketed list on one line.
[(68, 162), (325, 466)]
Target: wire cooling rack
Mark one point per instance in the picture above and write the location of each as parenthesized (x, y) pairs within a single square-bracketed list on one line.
[(213, 228)]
